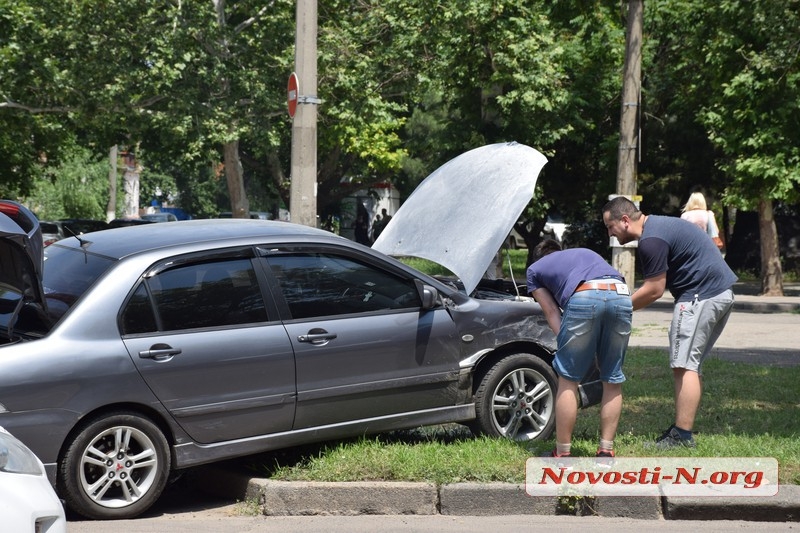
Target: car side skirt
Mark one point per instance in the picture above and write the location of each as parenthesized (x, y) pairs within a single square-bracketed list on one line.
[(193, 454)]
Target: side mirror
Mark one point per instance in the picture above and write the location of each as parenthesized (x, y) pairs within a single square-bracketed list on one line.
[(428, 295)]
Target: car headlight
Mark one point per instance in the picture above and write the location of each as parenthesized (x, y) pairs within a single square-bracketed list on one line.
[(16, 458)]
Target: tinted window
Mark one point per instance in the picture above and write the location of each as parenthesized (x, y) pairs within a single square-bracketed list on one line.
[(316, 284), (68, 273), (221, 293)]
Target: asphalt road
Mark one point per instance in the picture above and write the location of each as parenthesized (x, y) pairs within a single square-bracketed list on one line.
[(416, 524), (762, 338), (189, 510)]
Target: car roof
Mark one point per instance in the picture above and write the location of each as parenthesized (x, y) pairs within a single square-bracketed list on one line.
[(125, 241)]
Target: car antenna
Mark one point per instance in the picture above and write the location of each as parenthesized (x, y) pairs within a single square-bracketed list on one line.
[(84, 242)]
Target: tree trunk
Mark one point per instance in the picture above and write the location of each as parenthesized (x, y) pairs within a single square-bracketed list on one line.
[(111, 207), (771, 273), (240, 207)]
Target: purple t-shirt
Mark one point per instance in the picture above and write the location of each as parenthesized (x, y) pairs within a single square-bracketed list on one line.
[(691, 260), (562, 272)]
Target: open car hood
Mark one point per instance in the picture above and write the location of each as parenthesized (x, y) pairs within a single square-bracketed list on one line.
[(21, 256), (460, 215)]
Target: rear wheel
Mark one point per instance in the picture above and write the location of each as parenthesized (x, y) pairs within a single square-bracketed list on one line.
[(115, 467), (516, 399)]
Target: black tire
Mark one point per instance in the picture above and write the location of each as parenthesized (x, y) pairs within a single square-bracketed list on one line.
[(115, 467), (515, 399)]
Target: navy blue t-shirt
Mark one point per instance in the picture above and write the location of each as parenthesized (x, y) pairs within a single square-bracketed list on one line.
[(562, 272), (687, 254)]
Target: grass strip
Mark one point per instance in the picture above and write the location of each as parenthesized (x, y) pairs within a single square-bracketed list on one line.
[(747, 411)]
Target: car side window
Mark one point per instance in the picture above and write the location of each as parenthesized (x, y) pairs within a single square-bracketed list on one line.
[(220, 293), (326, 284)]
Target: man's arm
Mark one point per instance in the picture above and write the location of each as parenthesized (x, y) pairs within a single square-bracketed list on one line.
[(552, 312), (651, 290)]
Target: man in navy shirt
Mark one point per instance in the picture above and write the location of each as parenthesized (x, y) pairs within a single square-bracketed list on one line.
[(596, 322), (677, 255)]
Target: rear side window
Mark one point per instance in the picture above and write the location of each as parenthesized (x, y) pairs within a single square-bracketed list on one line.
[(68, 273), (220, 293), (323, 284)]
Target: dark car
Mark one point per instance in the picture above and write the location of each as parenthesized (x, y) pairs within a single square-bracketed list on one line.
[(157, 347), (125, 222), (56, 230)]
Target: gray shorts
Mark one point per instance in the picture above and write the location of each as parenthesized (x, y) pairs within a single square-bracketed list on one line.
[(695, 327)]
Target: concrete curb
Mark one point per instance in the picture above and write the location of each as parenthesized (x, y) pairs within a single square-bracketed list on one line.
[(299, 498)]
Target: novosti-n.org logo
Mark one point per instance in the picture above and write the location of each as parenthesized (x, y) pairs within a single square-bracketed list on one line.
[(652, 476)]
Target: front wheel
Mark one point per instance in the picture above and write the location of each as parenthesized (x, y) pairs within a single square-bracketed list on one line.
[(115, 467), (516, 399)]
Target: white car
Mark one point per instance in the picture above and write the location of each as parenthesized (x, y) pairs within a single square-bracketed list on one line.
[(28, 502)]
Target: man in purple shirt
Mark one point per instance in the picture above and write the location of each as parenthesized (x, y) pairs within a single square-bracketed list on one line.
[(596, 322)]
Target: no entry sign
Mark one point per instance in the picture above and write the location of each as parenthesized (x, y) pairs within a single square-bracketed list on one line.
[(292, 94)]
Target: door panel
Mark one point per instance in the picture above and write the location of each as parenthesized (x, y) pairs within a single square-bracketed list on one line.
[(199, 335), (363, 346), (377, 365)]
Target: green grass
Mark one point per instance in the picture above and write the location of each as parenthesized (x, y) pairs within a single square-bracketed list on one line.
[(747, 411), (518, 265)]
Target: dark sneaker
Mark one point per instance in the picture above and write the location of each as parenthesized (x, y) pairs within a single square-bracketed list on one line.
[(554, 453), (672, 439), (604, 458)]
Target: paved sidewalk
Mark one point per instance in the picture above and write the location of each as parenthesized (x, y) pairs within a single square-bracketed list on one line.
[(764, 327), (747, 298)]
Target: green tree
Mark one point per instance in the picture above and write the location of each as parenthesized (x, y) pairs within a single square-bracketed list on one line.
[(734, 72), (75, 188)]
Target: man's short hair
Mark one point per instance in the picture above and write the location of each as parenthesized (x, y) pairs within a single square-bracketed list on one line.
[(621, 206), (546, 247)]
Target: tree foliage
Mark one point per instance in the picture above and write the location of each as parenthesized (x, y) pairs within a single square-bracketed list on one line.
[(405, 86)]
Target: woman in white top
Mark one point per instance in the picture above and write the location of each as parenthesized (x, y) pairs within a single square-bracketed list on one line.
[(697, 212)]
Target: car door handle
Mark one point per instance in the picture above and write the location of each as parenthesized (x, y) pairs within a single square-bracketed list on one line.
[(317, 336), (159, 351)]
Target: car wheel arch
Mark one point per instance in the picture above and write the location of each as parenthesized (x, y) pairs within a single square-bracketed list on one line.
[(514, 394), (148, 453), (490, 359), (143, 411)]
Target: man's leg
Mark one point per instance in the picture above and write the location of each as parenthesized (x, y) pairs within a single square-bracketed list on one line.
[(688, 391), (610, 409), (566, 411)]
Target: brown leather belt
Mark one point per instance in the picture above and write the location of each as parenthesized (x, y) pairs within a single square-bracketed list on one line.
[(600, 286)]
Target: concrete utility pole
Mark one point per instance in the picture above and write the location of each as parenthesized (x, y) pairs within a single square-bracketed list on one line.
[(303, 190), (623, 258)]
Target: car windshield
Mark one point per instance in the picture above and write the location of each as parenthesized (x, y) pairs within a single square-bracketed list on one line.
[(68, 273)]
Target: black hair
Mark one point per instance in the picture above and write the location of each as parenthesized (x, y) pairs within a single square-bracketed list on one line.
[(546, 247)]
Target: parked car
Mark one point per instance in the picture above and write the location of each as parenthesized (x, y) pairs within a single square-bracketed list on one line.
[(27, 499), (259, 215), (158, 347), (125, 222), (51, 232), (79, 226), (555, 227), (160, 217), (58, 229)]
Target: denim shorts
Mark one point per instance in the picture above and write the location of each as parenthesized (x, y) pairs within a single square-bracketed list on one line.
[(595, 322)]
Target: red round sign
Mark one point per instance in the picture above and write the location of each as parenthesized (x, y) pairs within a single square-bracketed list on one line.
[(292, 94)]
